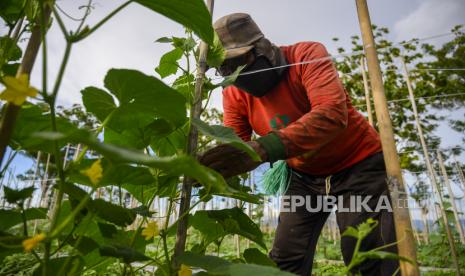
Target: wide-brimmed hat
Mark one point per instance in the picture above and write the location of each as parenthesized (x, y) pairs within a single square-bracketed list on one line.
[(237, 32)]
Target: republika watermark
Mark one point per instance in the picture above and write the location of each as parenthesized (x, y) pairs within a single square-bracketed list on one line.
[(326, 203)]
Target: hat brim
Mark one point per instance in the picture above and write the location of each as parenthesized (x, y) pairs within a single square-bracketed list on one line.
[(232, 53)]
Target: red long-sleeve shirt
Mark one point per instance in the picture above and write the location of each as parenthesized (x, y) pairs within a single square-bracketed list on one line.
[(310, 111)]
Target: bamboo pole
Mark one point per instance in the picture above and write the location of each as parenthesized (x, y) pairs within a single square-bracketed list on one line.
[(367, 91), (425, 231), (406, 243), (458, 225), (44, 184), (11, 111), (428, 161), (36, 171), (460, 172), (249, 205), (237, 238), (196, 109)]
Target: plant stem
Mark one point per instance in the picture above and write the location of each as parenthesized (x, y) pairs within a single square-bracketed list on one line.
[(196, 109), (89, 4), (71, 216), (57, 156), (85, 33), (23, 216), (165, 250), (61, 24)]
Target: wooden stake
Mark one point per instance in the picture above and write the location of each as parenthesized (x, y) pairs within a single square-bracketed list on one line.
[(249, 209), (403, 225), (11, 111), (196, 109), (460, 172), (458, 225), (367, 91), (428, 162), (36, 172)]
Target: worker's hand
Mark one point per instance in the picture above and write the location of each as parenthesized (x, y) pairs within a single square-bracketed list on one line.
[(230, 161)]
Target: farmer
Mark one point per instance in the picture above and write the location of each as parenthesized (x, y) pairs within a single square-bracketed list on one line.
[(292, 97)]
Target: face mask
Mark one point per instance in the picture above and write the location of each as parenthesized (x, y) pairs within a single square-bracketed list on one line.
[(258, 84)]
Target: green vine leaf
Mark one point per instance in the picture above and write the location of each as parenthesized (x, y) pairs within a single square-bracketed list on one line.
[(255, 256), (235, 221), (175, 165), (192, 14), (216, 53), (17, 196), (124, 252), (169, 63), (217, 266), (10, 218)]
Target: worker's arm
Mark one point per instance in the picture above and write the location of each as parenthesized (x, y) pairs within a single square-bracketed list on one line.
[(326, 118), (235, 115), (225, 158)]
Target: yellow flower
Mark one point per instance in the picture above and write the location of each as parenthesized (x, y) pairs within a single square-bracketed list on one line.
[(32, 243), (17, 89), (94, 172), (151, 230), (185, 271)]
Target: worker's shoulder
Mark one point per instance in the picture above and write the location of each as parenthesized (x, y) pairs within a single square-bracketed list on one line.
[(304, 50)]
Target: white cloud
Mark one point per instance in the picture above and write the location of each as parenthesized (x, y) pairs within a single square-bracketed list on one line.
[(431, 17), (126, 41)]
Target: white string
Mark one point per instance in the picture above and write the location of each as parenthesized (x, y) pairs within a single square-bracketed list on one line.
[(411, 70), (428, 97), (333, 57)]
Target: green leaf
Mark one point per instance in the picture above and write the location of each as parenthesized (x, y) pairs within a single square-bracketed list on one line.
[(365, 228), (10, 245), (113, 174), (10, 10), (192, 14), (210, 228), (237, 269), (83, 244), (112, 213), (123, 252), (107, 230), (217, 266), (171, 144), (255, 256), (69, 265), (142, 99), (229, 80), (98, 102), (9, 51), (225, 135), (187, 44), (373, 254), (216, 53), (185, 84), (33, 119), (10, 218), (17, 196), (175, 165), (235, 221), (142, 210), (164, 40), (206, 262), (350, 232), (169, 63)]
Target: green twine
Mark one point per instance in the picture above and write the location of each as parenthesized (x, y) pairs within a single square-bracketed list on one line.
[(276, 179)]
